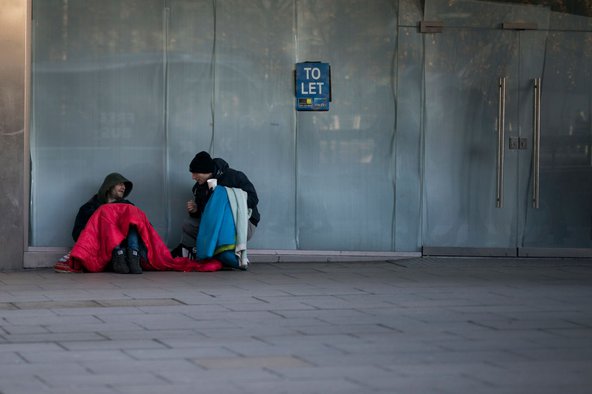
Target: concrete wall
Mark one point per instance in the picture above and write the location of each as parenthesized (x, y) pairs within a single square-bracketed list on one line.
[(13, 16)]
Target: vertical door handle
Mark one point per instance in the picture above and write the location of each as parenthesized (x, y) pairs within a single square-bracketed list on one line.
[(499, 197), (536, 143)]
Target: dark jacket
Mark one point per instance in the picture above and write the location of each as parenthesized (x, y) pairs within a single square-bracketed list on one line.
[(228, 177), (86, 211)]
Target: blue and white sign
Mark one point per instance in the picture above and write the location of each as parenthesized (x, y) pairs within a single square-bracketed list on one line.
[(313, 86)]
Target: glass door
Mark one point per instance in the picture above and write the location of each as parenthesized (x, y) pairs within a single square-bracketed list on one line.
[(470, 196), (557, 177), (508, 165)]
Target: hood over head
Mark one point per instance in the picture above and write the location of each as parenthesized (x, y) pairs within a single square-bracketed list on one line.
[(111, 180)]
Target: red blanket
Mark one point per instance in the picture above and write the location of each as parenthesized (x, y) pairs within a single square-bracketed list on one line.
[(109, 226)]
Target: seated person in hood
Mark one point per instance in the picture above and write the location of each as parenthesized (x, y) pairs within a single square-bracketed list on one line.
[(114, 190)]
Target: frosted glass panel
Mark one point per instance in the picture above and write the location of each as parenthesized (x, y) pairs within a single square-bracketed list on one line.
[(140, 86), (410, 12), (97, 107), (490, 14), (566, 21), (189, 98), (254, 108), (345, 156), (408, 140)]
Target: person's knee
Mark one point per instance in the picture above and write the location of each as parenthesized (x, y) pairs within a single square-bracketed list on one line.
[(190, 227), (187, 227)]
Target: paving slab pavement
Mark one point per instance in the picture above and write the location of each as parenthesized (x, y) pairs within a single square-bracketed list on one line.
[(420, 325)]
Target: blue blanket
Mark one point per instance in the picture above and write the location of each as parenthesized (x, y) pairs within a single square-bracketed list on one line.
[(217, 234)]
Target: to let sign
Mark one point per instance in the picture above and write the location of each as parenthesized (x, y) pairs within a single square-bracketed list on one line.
[(313, 86)]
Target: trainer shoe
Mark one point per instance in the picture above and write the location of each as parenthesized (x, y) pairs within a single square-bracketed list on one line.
[(63, 267), (118, 262), (133, 261)]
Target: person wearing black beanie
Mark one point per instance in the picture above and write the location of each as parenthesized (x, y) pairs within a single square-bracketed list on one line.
[(202, 163), (203, 168)]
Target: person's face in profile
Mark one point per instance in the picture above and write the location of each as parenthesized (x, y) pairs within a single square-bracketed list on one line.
[(117, 191), (200, 178)]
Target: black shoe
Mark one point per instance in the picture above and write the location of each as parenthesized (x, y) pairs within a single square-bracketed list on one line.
[(183, 251), (177, 251), (118, 262), (133, 261), (192, 253)]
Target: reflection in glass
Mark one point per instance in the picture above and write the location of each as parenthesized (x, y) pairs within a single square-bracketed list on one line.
[(139, 87), (564, 219), (344, 175), (97, 107)]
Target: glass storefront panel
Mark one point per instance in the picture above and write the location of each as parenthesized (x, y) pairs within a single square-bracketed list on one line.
[(405, 157), (563, 218), (484, 14), (476, 47), (97, 107), (410, 12), (345, 176), (254, 108), (462, 74), (139, 87), (188, 99), (408, 139)]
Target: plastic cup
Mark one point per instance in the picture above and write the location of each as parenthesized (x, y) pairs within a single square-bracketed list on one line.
[(212, 183)]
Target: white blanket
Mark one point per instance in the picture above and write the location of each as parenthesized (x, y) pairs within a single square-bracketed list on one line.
[(241, 214)]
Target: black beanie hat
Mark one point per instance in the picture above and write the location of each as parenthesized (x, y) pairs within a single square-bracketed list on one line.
[(202, 163)]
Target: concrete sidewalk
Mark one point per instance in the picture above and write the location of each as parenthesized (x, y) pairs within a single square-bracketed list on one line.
[(423, 325)]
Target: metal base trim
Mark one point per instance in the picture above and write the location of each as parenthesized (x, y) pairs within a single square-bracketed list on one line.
[(507, 252), (47, 257), (270, 255), (461, 251), (555, 252)]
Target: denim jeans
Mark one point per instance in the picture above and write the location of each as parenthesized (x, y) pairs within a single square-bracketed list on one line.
[(134, 242), (133, 239)]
